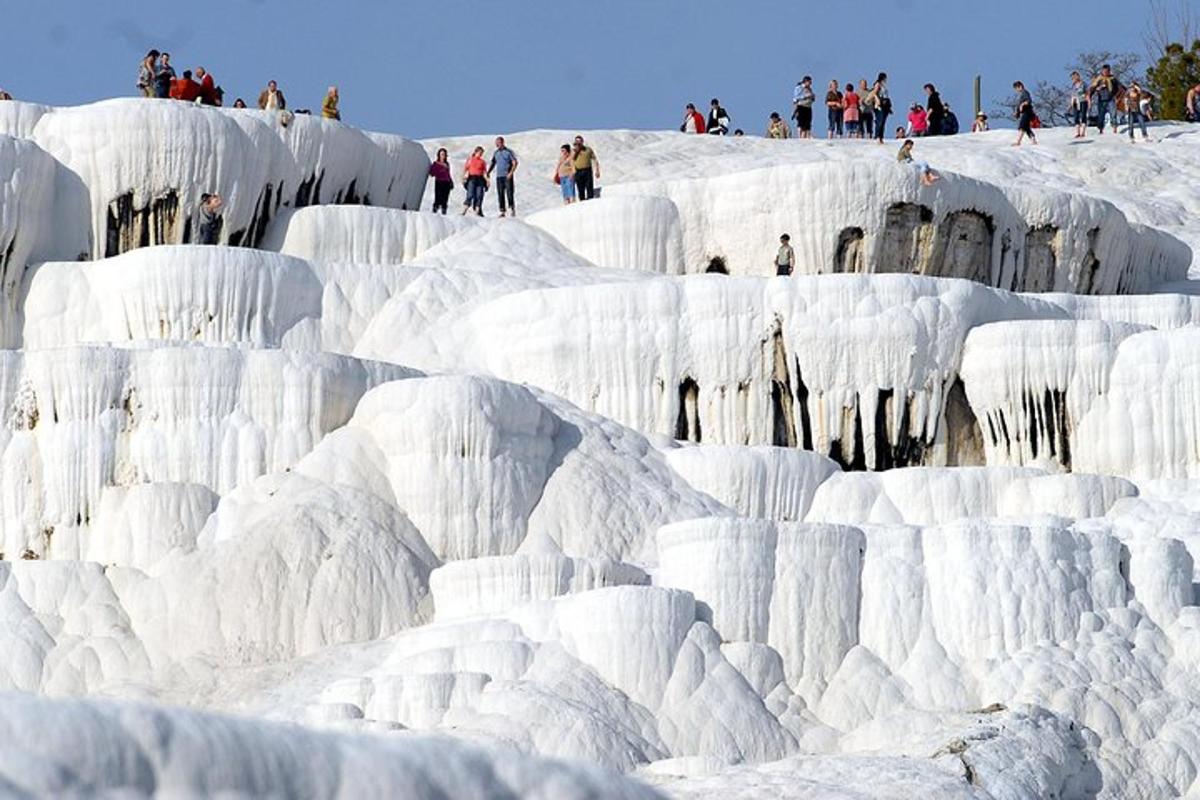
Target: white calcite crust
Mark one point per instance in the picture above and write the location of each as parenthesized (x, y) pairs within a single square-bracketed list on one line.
[(430, 502)]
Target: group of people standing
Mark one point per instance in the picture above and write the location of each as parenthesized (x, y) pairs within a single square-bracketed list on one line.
[(857, 112), (1104, 99), (576, 174), (716, 124), (157, 78)]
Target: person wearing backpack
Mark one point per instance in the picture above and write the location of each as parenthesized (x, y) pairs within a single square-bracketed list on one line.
[(883, 106), (718, 119), (1102, 94)]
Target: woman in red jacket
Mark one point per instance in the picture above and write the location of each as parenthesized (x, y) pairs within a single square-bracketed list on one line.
[(693, 120)]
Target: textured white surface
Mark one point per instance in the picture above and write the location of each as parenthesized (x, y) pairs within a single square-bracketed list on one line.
[(420, 485)]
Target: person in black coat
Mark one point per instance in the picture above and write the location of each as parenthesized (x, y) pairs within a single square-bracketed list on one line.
[(937, 111), (950, 126), (718, 119)]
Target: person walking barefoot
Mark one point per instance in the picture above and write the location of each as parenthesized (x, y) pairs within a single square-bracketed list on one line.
[(443, 181), (1079, 105), (1024, 114), (564, 174), (475, 178)]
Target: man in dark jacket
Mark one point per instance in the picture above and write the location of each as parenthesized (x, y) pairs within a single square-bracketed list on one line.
[(718, 120), (937, 111), (164, 76), (950, 127), (210, 219)]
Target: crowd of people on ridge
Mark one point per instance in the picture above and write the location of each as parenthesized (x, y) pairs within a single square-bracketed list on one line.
[(157, 79), (852, 111)]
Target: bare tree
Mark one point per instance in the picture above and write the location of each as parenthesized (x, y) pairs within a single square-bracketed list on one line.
[(1169, 22), (1052, 98)]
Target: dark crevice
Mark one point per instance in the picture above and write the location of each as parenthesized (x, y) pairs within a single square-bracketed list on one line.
[(716, 264), (687, 424), (783, 427)]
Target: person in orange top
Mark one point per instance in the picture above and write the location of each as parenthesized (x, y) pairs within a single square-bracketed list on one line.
[(475, 178), (185, 88)]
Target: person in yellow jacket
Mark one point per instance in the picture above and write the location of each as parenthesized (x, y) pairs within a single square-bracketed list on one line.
[(329, 106)]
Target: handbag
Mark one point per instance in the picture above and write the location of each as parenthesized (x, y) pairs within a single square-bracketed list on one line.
[(557, 179)]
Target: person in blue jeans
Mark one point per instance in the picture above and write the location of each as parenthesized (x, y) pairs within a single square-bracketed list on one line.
[(883, 106), (1133, 110), (1102, 91), (504, 164)]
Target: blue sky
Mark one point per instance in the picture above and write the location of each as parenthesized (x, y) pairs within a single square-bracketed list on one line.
[(445, 67)]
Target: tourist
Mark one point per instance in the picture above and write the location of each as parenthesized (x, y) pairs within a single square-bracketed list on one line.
[(834, 109), (271, 98), (504, 164), (329, 106), (718, 119), (950, 123), (866, 109), (980, 125), (587, 169), (693, 121), (5, 95), (443, 181), (883, 106), (785, 259), (802, 107), (146, 74), (239, 103), (901, 132), (1133, 110), (918, 120), (564, 174), (163, 76), (208, 89), (476, 182), (1077, 106), (738, 132), (1191, 105), (185, 88), (777, 128), (1102, 93), (935, 112), (210, 219), (905, 156), (851, 112), (1024, 114)]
